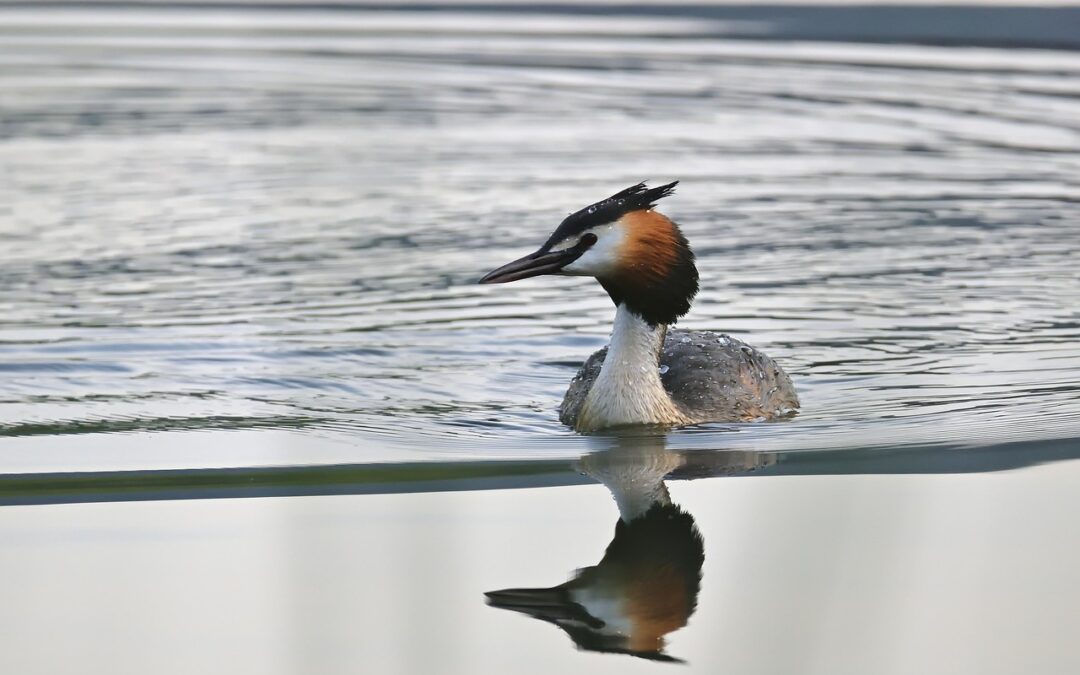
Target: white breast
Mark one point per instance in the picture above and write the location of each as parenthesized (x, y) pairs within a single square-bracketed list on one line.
[(628, 389)]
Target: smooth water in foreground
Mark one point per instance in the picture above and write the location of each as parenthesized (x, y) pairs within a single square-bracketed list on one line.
[(239, 254)]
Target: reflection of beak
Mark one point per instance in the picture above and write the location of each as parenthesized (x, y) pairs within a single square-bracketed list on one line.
[(533, 265), (549, 604)]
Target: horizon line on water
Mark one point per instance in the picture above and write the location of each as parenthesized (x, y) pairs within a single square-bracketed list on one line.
[(456, 476)]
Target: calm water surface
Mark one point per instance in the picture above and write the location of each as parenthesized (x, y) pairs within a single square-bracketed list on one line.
[(249, 237)]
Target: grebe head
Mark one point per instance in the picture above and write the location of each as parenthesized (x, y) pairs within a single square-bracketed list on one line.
[(639, 256)]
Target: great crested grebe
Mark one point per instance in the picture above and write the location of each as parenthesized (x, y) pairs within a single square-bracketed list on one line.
[(648, 374)]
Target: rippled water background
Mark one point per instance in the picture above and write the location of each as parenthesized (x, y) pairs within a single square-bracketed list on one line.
[(271, 219)]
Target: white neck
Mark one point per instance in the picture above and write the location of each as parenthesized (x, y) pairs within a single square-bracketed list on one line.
[(628, 389)]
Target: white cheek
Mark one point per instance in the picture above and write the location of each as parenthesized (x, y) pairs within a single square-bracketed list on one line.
[(603, 257)]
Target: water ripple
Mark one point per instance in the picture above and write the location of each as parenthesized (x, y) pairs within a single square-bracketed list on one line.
[(275, 221)]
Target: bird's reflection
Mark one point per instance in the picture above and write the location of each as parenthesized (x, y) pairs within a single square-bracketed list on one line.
[(647, 583)]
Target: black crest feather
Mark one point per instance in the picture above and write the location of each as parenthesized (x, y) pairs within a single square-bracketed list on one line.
[(633, 198)]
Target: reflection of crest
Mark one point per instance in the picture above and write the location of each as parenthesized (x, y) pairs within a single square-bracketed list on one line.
[(647, 583)]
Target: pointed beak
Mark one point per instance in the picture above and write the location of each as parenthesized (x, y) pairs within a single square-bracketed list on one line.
[(533, 265)]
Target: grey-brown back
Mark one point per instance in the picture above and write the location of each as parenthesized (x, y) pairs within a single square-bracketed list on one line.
[(711, 377)]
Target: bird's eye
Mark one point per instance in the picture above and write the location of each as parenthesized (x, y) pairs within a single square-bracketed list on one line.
[(588, 239)]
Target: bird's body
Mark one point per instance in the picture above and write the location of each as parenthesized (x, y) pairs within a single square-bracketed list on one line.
[(708, 376), (649, 374)]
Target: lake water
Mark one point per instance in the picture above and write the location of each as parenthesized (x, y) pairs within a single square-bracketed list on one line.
[(239, 253)]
